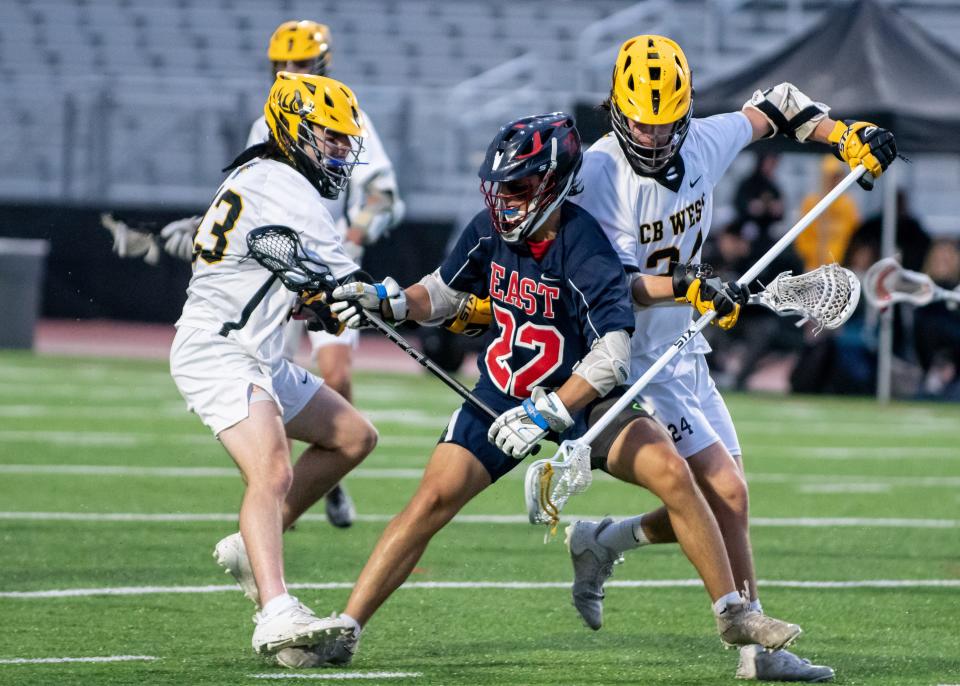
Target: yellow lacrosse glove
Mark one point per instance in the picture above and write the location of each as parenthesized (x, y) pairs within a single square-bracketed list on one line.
[(860, 142), (313, 308), (696, 285), (472, 319)]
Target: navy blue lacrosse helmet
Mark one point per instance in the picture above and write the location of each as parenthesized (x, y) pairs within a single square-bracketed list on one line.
[(530, 168)]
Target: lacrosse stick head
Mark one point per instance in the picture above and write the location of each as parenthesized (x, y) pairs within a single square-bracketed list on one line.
[(279, 250), (550, 483), (826, 296), (887, 283)]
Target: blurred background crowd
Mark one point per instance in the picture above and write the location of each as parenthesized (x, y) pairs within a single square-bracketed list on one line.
[(133, 107)]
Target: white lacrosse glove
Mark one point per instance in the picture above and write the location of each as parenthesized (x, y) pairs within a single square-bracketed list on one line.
[(129, 242), (178, 237), (387, 299), (517, 431)]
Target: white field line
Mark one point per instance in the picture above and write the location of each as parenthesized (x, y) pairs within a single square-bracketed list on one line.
[(337, 676), (480, 585), (863, 452), (417, 418), (111, 439), (833, 489), (799, 522), (427, 418), (181, 472), (58, 660), (805, 483)]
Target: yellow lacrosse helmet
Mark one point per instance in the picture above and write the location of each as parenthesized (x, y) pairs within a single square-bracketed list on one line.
[(652, 86), (317, 124), (304, 41)]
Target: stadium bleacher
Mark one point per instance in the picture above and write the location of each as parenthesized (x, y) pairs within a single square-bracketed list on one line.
[(176, 84)]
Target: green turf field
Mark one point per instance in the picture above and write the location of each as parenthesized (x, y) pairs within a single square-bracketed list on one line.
[(842, 491)]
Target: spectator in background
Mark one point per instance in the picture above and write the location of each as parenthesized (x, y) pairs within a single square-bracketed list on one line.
[(936, 331), (912, 241), (826, 240), (759, 204)]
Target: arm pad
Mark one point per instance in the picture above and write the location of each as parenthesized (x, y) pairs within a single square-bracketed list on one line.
[(789, 111), (607, 365), (445, 302)]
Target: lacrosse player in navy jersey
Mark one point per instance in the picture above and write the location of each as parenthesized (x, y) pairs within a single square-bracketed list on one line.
[(562, 319)]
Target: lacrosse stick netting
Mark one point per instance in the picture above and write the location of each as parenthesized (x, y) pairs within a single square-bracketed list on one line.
[(887, 283), (278, 249), (826, 296)]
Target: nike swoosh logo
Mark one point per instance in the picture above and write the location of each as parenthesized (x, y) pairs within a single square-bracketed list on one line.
[(306, 375), (696, 181), (637, 407), (548, 278)]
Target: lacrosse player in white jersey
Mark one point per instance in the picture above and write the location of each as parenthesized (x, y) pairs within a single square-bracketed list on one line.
[(367, 209), (227, 356), (650, 185)]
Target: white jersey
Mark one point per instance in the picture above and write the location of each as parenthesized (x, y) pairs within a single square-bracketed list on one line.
[(233, 295), (374, 167), (651, 225)]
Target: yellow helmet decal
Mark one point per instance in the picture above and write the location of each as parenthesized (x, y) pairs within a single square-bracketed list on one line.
[(296, 41), (651, 81), (320, 100)]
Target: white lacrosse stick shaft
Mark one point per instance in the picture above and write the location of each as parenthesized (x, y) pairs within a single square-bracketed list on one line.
[(705, 319)]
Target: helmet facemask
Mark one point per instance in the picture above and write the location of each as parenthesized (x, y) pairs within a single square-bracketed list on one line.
[(326, 157), (518, 207), (667, 139)]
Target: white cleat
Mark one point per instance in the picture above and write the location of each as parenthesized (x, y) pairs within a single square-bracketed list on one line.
[(295, 625), (340, 508), (336, 648), (592, 566), (739, 625), (780, 665), (231, 554)]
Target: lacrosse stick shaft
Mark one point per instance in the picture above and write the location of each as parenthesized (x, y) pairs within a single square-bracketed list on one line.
[(429, 364), (705, 319)]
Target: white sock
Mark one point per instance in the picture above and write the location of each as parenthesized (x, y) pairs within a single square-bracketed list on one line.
[(720, 606), (350, 620), (626, 534), (755, 605), (278, 604)]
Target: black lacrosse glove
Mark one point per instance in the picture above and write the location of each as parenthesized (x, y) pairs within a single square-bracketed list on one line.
[(314, 310)]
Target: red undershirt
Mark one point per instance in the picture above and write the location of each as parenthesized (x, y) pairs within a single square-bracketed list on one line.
[(539, 248)]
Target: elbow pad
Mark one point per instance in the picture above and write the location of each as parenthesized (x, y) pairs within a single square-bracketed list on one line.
[(607, 365), (445, 302), (790, 112)]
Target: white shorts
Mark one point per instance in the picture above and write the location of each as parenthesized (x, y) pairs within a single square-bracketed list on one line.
[(293, 332), (688, 403), (214, 375)]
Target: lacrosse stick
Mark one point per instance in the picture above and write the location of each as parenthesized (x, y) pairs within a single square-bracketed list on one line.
[(278, 249), (826, 296), (549, 483), (886, 283), (130, 242)]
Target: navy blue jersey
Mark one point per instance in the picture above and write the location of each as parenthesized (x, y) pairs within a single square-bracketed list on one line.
[(546, 314)]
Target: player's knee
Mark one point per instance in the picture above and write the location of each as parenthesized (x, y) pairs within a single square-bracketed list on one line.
[(276, 477), (730, 489), (360, 442), (338, 380)]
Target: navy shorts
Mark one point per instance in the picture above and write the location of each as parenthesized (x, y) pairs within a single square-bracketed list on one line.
[(468, 428)]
